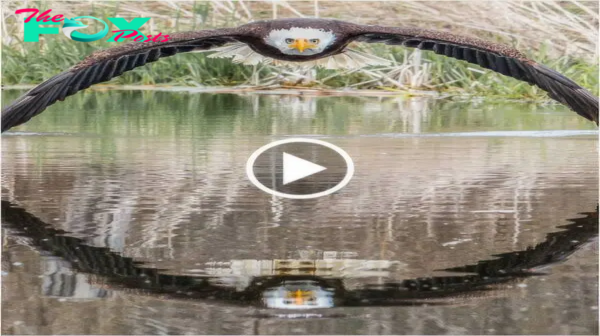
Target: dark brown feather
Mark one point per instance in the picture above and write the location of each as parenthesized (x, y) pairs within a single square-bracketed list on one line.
[(103, 65), (497, 57)]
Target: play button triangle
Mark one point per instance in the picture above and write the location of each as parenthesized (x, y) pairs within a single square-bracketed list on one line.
[(295, 168)]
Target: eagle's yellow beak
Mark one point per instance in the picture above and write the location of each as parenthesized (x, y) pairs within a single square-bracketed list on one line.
[(299, 297), (302, 44)]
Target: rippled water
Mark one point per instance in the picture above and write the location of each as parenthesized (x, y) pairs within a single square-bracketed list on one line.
[(130, 212)]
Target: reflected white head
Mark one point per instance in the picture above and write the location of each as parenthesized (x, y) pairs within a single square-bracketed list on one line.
[(300, 41)]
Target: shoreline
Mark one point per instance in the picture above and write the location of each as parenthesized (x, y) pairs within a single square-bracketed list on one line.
[(275, 89), (300, 91)]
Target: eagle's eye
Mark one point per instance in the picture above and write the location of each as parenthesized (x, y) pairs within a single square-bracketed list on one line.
[(289, 40), (314, 41)]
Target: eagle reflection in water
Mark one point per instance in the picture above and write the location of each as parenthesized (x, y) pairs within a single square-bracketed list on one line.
[(301, 285)]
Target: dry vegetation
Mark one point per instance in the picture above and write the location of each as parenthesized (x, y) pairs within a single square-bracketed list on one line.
[(561, 34)]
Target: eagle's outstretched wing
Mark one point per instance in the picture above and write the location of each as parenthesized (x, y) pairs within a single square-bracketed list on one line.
[(106, 64), (496, 57)]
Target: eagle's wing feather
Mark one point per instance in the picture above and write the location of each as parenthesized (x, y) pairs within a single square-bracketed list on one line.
[(104, 65), (493, 56)]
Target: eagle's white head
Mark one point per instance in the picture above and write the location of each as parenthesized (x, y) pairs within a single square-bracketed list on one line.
[(300, 41)]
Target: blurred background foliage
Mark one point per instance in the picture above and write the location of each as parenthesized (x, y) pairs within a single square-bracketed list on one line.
[(560, 34)]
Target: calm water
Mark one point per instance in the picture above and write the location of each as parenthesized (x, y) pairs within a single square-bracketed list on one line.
[(130, 213)]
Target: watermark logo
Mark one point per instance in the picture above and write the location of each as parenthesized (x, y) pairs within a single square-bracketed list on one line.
[(71, 25), (126, 29)]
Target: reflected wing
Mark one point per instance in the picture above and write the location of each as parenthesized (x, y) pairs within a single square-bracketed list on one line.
[(122, 272), (104, 65), (496, 57), (119, 271)]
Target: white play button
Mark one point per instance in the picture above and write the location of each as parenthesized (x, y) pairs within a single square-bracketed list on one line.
[(300, 168), (295, 168)]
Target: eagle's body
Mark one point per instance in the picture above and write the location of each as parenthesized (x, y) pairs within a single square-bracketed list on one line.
[(320, 41)]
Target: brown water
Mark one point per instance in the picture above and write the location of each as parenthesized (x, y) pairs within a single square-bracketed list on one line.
[(130, 213)]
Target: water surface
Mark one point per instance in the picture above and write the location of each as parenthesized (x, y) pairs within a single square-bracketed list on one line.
[(130, 212)]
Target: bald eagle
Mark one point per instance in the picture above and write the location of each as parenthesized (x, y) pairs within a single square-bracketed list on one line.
[(320, 41)]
